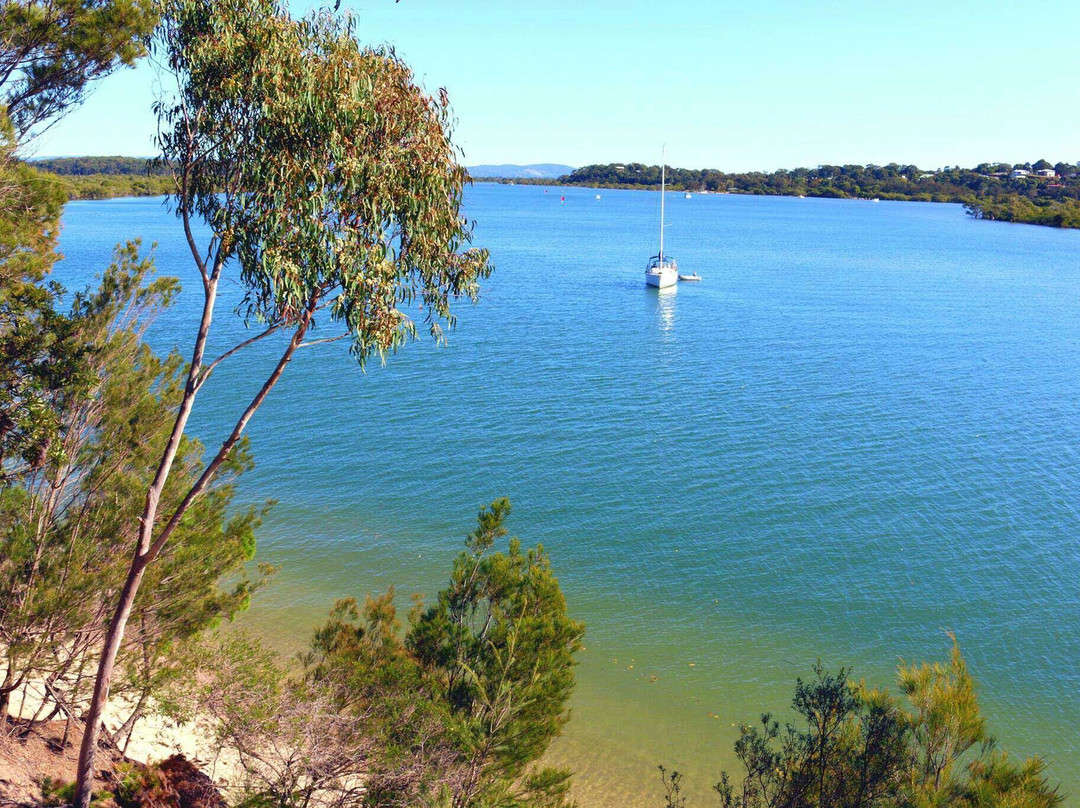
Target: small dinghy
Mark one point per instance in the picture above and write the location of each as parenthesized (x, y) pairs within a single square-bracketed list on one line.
[(694, 277)]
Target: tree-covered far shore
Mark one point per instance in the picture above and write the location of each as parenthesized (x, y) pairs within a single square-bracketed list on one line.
[(107, 177), (1035, 193), (1040, 193)]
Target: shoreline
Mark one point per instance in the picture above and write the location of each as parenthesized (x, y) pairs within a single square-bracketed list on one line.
[(107, 187), (1060, 213), (153, 740)]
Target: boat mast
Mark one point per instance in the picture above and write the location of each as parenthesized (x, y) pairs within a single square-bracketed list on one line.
[(663, 168)]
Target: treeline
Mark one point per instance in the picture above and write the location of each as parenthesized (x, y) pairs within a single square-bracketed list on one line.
[(997, 191), (106, 177), (1057, 213), (81, 166), (110, 186), (989, 191), (893, 181)]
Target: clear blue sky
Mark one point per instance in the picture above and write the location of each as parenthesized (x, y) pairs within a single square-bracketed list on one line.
[(759, 84)]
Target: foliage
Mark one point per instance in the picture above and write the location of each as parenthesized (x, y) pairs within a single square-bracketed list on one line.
[(57, 793), (294, 746), (40, 360), (321, 167), (110, 186), (945, 718), (994, 781), (52, 50), (128, 785), (985, 192), (500, 646), (50, 53), (360, 657), (84, 406), (843, 751), (892, 181), (672, 783), (136, 785), (457, 710), (328, 180), (852, 747), (66, 527), (1060, 212), (108, 177)]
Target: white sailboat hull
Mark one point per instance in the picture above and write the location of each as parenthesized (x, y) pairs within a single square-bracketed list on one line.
[(661, 271), (662, 278)]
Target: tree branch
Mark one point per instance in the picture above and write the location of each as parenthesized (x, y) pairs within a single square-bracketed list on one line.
[(205, 374), (323, 341), (234, 436)]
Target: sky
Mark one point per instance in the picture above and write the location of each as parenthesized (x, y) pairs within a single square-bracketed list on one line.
[(736, 86)]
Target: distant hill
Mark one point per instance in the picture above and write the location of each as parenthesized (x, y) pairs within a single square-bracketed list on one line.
[(533, 171)]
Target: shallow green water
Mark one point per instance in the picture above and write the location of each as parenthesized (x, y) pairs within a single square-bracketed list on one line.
[(859, 431)]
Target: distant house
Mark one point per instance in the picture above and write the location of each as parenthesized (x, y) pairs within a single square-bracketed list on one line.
[(1021, 172), (1046, 172)]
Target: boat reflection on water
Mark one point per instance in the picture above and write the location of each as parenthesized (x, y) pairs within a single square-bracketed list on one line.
[(665, 308)]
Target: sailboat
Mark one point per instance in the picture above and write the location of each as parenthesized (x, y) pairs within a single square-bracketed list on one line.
[(661, 270)]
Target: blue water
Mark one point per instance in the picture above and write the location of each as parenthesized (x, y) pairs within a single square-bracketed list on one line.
[(860, 431)]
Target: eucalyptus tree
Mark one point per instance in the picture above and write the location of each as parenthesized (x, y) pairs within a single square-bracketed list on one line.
[(333, 193)]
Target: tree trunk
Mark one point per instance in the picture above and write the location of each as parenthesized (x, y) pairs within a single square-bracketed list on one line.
[(127, 729), (5, 689), (84, 783), (149, 548), (92, 723)]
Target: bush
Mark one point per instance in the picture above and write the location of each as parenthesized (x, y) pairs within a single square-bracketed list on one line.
[(852, 747)]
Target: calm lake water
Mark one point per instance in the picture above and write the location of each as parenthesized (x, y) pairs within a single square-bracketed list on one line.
[(859, 432)]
